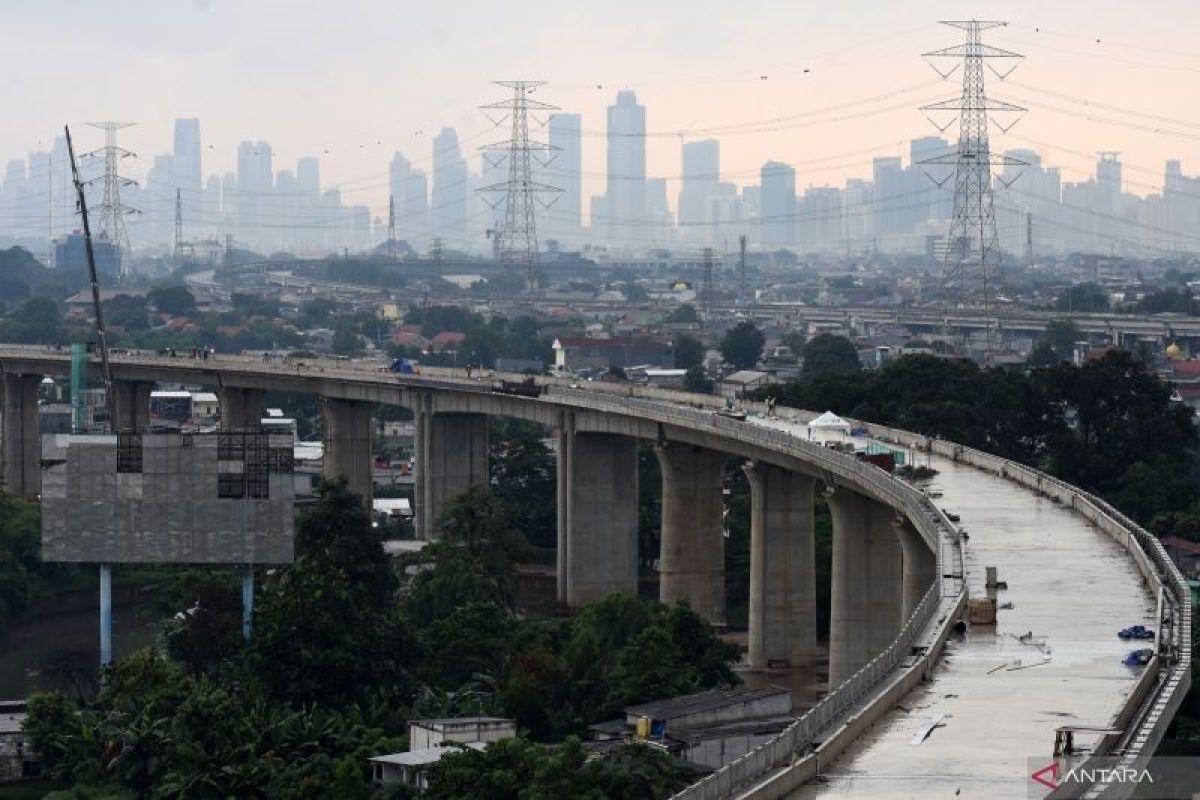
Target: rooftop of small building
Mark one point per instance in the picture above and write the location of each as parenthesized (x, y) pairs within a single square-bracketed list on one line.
[(703, 701), (460, 721), (424, 755)]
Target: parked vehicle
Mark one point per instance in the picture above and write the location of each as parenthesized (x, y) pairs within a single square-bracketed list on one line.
[(402, 366), (1136, 632), (1138, 658), (525, 388)]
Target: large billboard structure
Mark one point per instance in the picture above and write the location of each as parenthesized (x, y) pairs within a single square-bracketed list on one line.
[(217, 498)]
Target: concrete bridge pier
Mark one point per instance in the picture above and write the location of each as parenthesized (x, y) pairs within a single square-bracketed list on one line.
[(866, 590), (692, 559), (919, 567), (241, 409), (452, 456), (783, 594), (131, 401), (347, 444), (22, 443), (597, 520)]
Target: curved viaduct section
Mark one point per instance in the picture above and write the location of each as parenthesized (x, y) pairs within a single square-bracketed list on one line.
[(900, 567)]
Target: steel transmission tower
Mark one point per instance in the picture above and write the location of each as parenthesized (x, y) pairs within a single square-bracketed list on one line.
[(971, 268), (112, 210), (518, 231), (178, 225)]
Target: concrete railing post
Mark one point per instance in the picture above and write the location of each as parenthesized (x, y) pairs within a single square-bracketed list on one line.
[(22, 442), (452, 456), (241, 409), (347, 445), (783, 595), (692, 557), (598, 523), (866, 582)]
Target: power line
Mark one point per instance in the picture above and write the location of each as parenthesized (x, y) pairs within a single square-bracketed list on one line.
[(518, 233), (112, 210), (973, 258)]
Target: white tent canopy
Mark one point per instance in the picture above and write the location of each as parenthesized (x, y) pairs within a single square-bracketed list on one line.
[(829, 421)]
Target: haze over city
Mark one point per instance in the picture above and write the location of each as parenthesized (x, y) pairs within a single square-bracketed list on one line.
[(823, 89), (635, 400)]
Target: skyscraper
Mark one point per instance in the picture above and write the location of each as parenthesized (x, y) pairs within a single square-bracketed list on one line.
[(186, 172), (448, 211), (701, 174), (565, 216), (889, 195), (777, 203), (416, 207), (255, 180), (626, 199), (398, 171)]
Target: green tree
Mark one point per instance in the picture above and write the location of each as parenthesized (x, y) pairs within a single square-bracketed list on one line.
[(524, 478), (127, 311), (1062, 334), (36, 321), (826, 353), (1085, 297), (327, 629), (685, 313), (743, 345), (697, 380), (177, 301), (345, 341), (689, 351), (1043, 355), (471, 561), (20, 555)]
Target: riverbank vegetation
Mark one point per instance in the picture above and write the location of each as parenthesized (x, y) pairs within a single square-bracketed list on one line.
[(347, 648)]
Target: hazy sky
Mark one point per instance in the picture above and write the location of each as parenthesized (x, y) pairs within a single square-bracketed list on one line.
[(352, 81)]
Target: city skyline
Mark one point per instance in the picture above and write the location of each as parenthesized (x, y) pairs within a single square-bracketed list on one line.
[(305, 109)]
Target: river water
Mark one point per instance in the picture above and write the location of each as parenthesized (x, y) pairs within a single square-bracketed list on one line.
[(57, 644)]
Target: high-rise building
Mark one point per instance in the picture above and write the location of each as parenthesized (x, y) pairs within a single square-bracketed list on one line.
[(777, 204), (626, 197), (657, 227), (448, 209), (564, 172), (888, 176), (928, 201), (255, 181), (416, 207), (308, 175), (186, 172), (701, 174), (398, 170)]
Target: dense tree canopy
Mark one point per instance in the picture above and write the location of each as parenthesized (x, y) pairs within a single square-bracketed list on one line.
[(743, 345), (1108, 425), (174, 300), (689, 351), (826, 353), (518, 769), (1083, 297)]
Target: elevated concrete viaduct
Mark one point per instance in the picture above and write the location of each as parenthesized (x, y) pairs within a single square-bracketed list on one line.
[(899, 574), (597, 489)]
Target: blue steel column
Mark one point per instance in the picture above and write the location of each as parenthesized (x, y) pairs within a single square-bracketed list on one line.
[(106, 651), (247, 600)]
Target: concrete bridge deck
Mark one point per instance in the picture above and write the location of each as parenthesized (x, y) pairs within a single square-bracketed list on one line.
[(1072, 587), (1070, 582)]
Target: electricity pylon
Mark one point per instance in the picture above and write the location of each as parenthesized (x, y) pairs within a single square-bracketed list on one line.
[(971, 268), (518, 230), (112, 210)]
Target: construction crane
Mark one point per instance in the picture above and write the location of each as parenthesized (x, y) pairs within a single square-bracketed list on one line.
[(105, 368)]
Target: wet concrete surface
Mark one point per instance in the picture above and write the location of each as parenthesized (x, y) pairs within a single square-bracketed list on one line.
[(1071, 587)]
